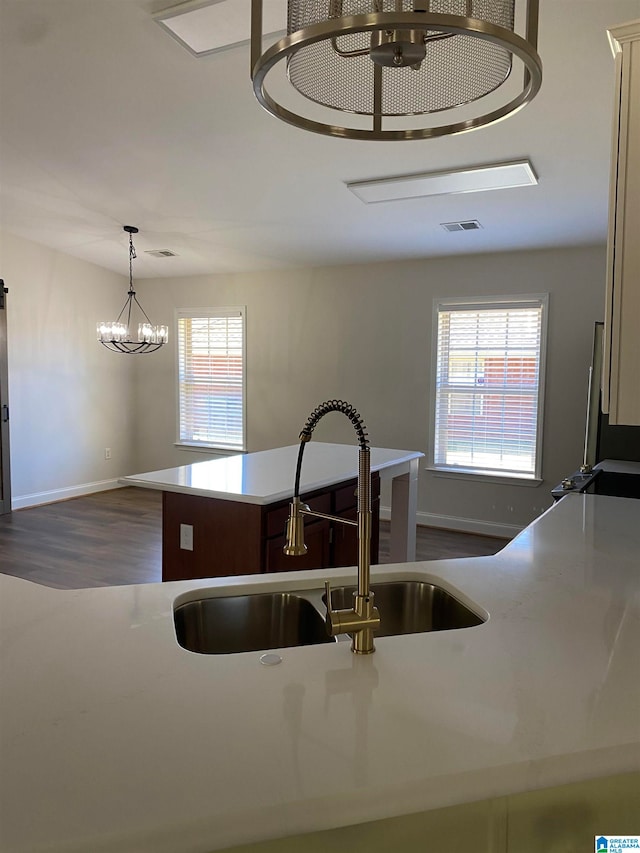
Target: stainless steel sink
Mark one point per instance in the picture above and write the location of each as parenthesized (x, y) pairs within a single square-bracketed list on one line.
[(248, 623), (251, 623), (411, 607)]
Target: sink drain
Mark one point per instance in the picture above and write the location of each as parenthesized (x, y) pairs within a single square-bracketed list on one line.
[(270, 659)]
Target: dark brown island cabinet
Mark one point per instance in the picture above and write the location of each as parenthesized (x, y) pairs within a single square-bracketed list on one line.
[(239, 538)]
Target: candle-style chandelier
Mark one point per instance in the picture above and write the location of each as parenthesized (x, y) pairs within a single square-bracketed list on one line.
[(116, 335), (397, 69)]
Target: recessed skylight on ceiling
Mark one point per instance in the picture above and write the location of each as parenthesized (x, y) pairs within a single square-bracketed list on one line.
[(206, 26), (496, 176)]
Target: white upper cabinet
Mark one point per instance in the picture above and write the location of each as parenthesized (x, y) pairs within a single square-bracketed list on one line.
[(621, 363)]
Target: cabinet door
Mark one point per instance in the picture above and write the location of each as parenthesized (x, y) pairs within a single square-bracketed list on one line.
[(621, 389), (344, 540)]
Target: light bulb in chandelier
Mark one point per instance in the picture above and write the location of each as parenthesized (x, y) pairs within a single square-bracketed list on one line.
[(116, 335), (397, 69)]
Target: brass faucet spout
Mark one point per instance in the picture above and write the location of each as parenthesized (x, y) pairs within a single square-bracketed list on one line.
[(295, 546)]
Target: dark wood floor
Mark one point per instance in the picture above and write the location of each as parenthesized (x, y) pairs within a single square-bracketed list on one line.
[(115, 537)]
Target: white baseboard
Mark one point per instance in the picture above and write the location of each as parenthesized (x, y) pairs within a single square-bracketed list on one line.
[(38, 498), (464, 525)]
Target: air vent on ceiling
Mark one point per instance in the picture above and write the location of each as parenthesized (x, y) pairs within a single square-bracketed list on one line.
[(161, 253), (468, 225)]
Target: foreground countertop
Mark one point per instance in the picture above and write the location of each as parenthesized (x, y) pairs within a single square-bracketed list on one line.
[(116, 739), (268, 475)]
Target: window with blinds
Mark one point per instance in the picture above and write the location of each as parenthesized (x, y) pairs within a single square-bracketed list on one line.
[(211, 378), (489, 369)]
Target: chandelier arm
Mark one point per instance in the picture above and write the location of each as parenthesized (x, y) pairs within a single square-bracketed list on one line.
[(124, 308), (135, 298), (437, 37), (377, 99), (453, 24), (348, 53)]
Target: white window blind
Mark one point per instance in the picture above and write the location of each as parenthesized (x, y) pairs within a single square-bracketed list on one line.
[(488, 386), (211, 378)]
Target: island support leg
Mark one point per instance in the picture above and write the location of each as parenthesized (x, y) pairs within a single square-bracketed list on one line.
[(404, 503)]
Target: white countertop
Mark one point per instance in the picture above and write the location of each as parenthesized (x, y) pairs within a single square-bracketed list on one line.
[(116, 739), (268, 475)]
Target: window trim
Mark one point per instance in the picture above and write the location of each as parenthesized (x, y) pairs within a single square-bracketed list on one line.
[(224, 311), (486, 303)]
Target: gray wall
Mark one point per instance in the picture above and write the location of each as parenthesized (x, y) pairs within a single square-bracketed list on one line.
[(69, 398), (364, 333)]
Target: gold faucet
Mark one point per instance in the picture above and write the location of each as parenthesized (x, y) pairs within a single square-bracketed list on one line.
[(363, 619)]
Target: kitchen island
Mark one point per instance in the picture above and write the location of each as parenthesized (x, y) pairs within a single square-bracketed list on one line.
[(114, 739), (233, 510)]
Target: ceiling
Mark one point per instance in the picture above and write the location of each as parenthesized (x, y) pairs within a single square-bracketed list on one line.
[(105, 120)]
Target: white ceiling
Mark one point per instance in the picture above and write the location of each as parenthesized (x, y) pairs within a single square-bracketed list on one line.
[(105, 120)]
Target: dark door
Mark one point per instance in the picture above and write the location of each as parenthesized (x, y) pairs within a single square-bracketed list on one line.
[(5, 471)]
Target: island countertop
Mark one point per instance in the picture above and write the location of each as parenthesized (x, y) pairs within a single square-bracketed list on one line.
[(267, 476), (115, 739)]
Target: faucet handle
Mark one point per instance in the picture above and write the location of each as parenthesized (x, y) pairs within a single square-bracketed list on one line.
[(327, 590), (330, 617)]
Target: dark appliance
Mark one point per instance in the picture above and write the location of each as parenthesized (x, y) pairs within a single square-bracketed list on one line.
[(607, 449)]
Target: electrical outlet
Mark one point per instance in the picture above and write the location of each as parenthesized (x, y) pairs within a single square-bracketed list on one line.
[(107, 453), (186, 537)]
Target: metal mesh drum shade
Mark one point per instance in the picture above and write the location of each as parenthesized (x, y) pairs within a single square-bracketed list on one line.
[(456, 69), (398, 58)]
